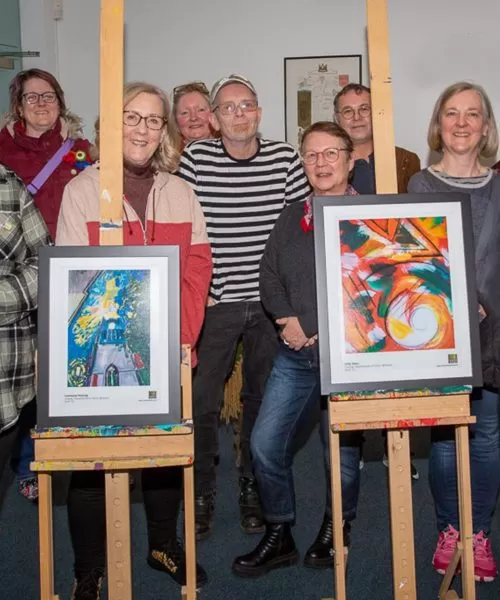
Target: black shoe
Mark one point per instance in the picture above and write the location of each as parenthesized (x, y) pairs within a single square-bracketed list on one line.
[(204, 506), (88, 586), (320, 554), (251, 519), (275, 549), (172, 560)]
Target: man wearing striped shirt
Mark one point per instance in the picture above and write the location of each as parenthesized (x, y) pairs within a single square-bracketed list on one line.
[(242, 182)]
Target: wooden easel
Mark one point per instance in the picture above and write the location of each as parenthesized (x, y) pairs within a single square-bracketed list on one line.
[(72, 449), (399, 413), (61, 449)]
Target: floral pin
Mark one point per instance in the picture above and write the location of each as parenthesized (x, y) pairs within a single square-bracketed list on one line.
[(78, 159)]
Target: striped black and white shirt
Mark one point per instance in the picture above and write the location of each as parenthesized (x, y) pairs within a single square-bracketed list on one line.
[(241, 200)]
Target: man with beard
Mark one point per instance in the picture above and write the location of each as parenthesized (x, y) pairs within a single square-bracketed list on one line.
[(242, 182)]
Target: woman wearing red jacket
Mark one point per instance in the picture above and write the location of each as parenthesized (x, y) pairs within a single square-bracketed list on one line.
[(39, 130), (158, 208), (37, 125)]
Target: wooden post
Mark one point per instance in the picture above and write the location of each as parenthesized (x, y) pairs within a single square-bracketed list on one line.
[(111, 234), (111, 125), (403, 554), (381, 96)]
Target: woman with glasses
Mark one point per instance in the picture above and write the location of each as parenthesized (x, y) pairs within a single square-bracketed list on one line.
[(158, 208), (292, 400), (463, 130), (191, 110), (37, 127)]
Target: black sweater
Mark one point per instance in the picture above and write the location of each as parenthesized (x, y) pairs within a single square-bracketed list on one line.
[(287, 273)]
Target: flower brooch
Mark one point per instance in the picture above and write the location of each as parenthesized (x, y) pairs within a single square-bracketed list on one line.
[(78, 160)]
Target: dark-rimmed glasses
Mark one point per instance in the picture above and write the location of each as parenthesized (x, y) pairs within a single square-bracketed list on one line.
[(34, 98), (132, 119), (330, 155), (229, 108), (193, 86), (348, 112)]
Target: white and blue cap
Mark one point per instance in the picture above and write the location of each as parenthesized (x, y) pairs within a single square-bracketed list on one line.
[(234, 78)]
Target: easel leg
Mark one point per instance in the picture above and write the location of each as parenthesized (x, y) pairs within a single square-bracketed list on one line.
[(338, 538), (46, 535), (118, 535), (465, 511), (401, 508), (189, 590)]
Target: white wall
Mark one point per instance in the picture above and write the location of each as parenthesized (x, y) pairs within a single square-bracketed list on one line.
[(433, 43)]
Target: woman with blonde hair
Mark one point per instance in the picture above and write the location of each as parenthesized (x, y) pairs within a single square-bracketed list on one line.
[(463, 131), (158, 208)]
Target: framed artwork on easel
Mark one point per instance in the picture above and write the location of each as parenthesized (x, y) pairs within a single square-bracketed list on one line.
[(109, 341), (397, 298)]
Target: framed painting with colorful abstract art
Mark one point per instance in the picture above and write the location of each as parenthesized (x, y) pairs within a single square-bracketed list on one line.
[(108, 336), (397, 300)]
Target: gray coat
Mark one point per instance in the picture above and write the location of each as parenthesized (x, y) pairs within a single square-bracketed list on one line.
[(487, 259)]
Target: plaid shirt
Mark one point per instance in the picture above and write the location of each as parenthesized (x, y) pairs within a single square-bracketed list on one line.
[(22, 231)]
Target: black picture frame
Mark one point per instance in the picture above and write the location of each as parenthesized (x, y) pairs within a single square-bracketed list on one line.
[(335, 377), (64, 396), (311, 84)]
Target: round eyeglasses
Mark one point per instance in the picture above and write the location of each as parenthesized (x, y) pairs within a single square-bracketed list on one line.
[(229, 108), (132, 119), (349, 112), (330, 155), (34, 98)]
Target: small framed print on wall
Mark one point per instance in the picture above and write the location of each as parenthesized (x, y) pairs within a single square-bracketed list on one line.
[(109, 336), (311, 84)]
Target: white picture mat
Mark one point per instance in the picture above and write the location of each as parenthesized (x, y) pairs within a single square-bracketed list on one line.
[(396, 366), (120, 400)]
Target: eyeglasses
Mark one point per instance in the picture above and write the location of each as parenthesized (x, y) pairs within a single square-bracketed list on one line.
[(229, 108), (331, 155), (348, 112), (193, 86), (33, 97), (132, 119)]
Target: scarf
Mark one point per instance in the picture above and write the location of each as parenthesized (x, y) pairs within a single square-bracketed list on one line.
[(307, 220)]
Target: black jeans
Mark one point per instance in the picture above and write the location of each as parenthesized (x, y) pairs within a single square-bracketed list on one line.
[(225, 323), (161, 490)]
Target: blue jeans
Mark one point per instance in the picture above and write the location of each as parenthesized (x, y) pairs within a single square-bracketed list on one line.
[(24, 450), (290, 409), (26, 456), (484, 462)]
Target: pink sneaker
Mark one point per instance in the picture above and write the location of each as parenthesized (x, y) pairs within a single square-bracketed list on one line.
[(445, 549), (485, 567)]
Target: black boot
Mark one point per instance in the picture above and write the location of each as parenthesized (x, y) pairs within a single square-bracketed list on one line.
[(251, 519), (204, 506), (275, 549), (320, 554)]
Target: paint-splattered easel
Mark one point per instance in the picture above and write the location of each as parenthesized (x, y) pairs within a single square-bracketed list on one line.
[(115, 450), (398, 412)]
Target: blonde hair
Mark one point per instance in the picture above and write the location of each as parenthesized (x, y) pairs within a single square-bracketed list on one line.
[(489, 143), (166, 156)]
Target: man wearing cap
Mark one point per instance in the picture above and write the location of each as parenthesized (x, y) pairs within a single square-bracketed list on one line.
[(242, 182), (352, 111)]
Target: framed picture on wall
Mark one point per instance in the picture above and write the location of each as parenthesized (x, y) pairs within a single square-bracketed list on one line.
[(311, 84), (109, 340), (397, 302)]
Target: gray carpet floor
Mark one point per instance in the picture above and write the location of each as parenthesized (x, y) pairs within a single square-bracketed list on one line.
[(369, 572)]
